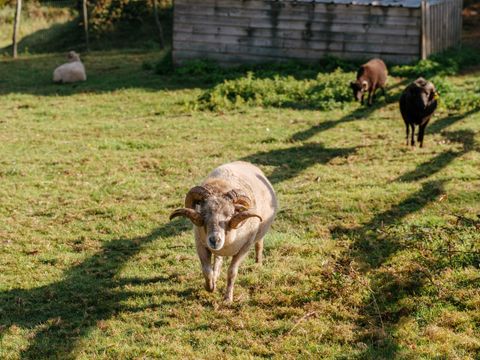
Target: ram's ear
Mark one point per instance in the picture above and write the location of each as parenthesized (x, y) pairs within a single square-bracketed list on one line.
[(240, 208), (191, 214), (237, 220)]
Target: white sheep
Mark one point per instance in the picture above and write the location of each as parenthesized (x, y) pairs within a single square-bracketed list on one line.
[(72, 71), (232, 210)]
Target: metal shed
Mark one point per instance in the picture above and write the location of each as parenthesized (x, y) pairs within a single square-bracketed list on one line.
[(251, 31)]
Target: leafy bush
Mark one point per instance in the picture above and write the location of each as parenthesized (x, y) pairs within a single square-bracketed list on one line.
[(104, 15), (327, 91), (449, 62), (455, 98), (297, 85), (4, 3), (208, 71)]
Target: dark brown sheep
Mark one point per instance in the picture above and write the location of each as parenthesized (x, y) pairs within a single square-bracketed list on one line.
[(417, 105), (370, 77)]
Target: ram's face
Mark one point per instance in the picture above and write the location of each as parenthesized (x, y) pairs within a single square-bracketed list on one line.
[(357, 90), (73, 56), (426, 93), (431, 91), (216, 213)]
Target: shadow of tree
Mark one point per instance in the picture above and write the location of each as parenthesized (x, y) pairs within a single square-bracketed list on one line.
[(64, 36), (360, 113), (372, 245), (291, 161), (66, 310), (439, 162), (57, 37)]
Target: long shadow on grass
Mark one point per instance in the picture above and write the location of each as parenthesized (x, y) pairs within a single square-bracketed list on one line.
[(373, 244), (363, 112), (66, 310), (291, 161), (464, 137), (61, 37)]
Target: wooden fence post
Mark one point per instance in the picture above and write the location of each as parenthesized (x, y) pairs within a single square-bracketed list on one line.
[(16, 27), (161, 38), (85, 24)]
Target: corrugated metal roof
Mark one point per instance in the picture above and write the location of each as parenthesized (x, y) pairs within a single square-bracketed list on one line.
[(396, 3)]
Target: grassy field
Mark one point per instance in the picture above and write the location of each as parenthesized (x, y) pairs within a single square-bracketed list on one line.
[(375, 252)]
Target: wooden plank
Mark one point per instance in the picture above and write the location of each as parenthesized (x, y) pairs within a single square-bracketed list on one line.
[(180, 56), (298, 25), (280, 49), (243, 35), (423, 41), (444, 21), (447, 19), (431, 30), (270, 29), (438, 35), (448, 27), (184, 39), (297, 6), (350, 16), (267, 21)]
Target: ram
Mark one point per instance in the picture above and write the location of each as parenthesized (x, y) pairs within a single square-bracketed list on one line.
[(231, 210), (70, 72), (370, 77), (417, 105)]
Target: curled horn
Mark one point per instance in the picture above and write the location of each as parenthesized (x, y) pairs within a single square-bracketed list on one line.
[(238, 218), (364, 85), (194, 216), (196, 194), (239, 198)]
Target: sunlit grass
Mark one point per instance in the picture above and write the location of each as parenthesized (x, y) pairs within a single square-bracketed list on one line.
[(374, 254)]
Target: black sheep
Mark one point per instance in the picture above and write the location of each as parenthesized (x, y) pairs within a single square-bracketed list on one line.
[(417, 105), (370, 77)]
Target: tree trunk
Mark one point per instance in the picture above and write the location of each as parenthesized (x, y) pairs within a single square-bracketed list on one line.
[(16, 27), (161, 39)]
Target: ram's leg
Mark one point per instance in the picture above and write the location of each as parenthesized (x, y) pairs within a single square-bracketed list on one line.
[(371, 96), (259, 251), (421, 133), (413, 135), (407, 126), (206, 260), (233, 271), (217, 267), (361, 99)]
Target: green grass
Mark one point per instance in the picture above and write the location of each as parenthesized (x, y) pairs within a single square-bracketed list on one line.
[(374, 254)]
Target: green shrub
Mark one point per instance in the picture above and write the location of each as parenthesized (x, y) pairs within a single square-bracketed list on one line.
[(449, 62), (104, 15), (327, 91), (455, 98)]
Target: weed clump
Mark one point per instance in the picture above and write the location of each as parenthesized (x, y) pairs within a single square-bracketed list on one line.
[(326, 91), (450, 62), (457, 98)]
